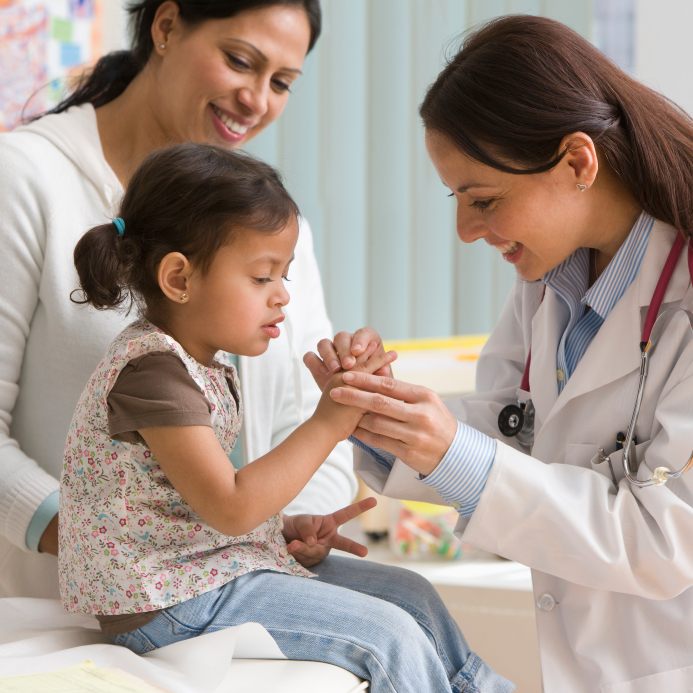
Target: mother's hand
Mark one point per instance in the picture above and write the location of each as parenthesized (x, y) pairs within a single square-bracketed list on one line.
[(406, 420)]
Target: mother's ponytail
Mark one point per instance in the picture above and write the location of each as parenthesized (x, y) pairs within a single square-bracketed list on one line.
[(106, 81), (104, 264)]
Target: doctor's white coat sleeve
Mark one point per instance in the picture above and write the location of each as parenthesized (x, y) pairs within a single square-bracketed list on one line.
[(334, 485), (567, 520)]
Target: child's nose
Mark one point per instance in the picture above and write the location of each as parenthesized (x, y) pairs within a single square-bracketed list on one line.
[(282, 297)]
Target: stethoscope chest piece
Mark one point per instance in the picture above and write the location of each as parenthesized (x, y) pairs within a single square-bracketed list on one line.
[(517, 420), (511, 420)]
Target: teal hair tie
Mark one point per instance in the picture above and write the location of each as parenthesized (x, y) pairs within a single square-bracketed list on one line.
[(120, 225)]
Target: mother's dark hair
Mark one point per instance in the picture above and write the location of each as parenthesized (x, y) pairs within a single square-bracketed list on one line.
[(520, 84), (112, 73)]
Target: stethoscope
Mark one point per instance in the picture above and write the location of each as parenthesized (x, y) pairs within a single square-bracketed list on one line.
[(518, 420)]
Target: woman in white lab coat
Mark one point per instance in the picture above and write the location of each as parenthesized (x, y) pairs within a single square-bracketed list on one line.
[(583, 179)]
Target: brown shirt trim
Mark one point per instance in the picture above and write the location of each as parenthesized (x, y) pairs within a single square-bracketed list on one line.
[(155, 390)]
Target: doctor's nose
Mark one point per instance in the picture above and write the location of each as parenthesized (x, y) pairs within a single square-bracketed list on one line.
[(469, 230)]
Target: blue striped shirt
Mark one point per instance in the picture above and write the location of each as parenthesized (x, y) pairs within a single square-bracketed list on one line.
[(461, 476)]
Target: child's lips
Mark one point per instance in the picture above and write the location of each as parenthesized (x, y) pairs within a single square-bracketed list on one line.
[(271, 328)]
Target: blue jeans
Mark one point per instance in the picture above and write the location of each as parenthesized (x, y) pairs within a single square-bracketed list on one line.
[(384, 624)]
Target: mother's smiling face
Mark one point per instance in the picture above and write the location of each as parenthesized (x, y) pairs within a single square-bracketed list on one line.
[(223, 81)]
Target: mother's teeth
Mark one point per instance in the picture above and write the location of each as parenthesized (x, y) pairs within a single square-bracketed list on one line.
[(509, 247), (230, 124)]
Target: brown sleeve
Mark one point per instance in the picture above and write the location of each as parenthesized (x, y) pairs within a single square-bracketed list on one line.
[(151, 391)]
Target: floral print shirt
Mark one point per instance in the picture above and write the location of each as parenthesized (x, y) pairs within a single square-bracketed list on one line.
[(128, 540)]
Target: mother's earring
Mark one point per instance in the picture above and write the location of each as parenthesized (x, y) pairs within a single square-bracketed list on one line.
[(183, 298), (581, 187)]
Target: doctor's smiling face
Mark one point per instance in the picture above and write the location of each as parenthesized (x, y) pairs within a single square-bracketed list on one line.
[(537, 220)]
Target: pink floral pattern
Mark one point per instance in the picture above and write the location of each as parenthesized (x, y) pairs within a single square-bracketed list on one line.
[(128, 541)]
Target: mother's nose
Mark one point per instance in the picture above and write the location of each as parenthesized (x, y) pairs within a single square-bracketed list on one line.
[(255, 98)]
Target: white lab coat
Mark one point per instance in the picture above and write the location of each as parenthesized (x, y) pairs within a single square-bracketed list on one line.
[(618, 565)]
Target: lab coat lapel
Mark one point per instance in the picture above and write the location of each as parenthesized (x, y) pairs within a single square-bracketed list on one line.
[(547, 328), (615, 350)]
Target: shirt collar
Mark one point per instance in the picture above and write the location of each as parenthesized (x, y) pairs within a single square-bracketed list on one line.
[(572, 275)]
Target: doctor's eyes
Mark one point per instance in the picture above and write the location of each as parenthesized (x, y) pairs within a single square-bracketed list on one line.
[(482, 205)]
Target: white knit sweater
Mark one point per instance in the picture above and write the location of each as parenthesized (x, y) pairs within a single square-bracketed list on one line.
[(54, 185)]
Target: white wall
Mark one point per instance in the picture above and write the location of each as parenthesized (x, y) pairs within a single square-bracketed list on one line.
[(664, 48)]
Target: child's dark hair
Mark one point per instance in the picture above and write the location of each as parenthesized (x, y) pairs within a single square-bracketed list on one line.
[(189, 198)]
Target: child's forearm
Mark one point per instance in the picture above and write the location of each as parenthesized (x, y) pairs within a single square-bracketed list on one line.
[(271, 482)]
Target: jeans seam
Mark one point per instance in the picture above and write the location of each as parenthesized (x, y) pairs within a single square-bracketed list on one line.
[(337, 639), (173, 621), (466, 678)]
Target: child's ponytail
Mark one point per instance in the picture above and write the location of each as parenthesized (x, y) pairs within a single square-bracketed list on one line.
[(102, 267)]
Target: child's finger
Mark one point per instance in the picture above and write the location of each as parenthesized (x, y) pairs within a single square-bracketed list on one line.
[(368, 351), (303, 524), (362, 339), (308, 555), (354, 510), (317, 369), (342, 343), (329, 356), (297, 547), (376, 362), (348, 545)]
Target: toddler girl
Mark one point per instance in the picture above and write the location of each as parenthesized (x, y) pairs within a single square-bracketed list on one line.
[(159, 537)]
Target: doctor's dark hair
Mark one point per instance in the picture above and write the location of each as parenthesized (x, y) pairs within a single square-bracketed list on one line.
[(113, 72), (191, 199), (520, 84)]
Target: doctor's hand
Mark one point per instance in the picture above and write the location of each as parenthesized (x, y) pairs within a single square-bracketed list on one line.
[(309, 538), (406, 420), (344, 352)]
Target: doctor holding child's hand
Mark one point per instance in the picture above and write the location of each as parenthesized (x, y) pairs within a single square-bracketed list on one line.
[(583, 179)]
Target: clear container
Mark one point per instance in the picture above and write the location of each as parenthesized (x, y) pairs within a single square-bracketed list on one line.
[(425, 531)]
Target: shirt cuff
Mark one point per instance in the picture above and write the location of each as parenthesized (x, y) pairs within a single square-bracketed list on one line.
[(461, 475), (41, 519), (384, 459)]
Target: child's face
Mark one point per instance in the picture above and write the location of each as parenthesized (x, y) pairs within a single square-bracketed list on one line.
[(237, 305)]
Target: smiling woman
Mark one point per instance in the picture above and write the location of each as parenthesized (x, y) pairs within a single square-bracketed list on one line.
[(583, 178), (205, 72)]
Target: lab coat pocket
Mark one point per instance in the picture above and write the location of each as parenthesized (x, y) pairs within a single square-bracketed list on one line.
[(674, 681), (580, 454), (617, 459)]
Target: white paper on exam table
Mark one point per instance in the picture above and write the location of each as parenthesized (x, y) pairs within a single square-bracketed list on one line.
[(37, 636)]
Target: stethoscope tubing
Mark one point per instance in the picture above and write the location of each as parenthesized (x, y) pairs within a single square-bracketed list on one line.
[(653, 328)]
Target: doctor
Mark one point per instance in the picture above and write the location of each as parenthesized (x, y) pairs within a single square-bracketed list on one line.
[(582, 178)]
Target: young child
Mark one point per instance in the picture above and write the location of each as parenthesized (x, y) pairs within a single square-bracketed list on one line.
[(159, 537)]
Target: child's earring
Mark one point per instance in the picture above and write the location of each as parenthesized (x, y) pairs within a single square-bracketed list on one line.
[(183, 298), (581, 187)]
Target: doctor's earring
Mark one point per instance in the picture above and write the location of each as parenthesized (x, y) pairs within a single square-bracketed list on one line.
[(581, 187), (162, 46)]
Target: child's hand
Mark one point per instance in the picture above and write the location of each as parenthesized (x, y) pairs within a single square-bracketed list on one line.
[(343, 353), (310, 537), (341, 419)]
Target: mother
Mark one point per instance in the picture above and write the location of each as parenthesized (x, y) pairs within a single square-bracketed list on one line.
[(583, 179), (198, 71)]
